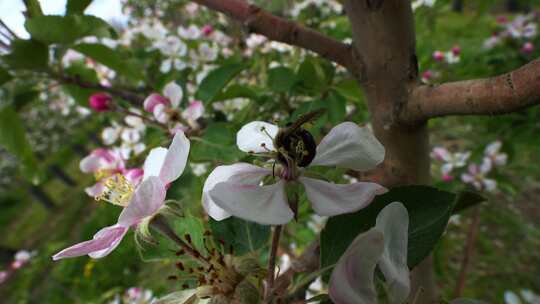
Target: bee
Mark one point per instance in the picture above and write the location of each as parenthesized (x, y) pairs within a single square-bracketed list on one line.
[(295, 145)]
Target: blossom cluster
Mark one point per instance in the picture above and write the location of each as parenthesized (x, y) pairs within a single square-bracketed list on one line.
[(520, 31), (443, 59), (476, 174)]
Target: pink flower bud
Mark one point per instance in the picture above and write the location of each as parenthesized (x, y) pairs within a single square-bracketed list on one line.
[(427, 75), (456, 50), (153, 100), (438, 56), (502, 19), (527, 48), (100, 102), (207, 30), (447, 178)]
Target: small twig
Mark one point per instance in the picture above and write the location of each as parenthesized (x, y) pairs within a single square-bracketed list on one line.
[(161, 224), (468, 252), (124, 94), (272, 262)]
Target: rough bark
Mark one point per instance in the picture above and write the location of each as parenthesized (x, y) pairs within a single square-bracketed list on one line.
[(502, 94), (384, 37)]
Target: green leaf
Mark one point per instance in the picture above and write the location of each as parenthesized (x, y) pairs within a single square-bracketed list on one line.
[(80, 71), (217, 144), (4, 76), (33, 8), (429, 210), (281, 79), (163, 248), (314, 74), (336, 107), (216, 80), (27, 54), (350, 89), (242, 236), (76, 6), (110, 58), (467, 199), (236, 91), (13, 139), (67, 29)]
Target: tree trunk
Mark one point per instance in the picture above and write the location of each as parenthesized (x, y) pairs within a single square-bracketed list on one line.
[(384, 38)]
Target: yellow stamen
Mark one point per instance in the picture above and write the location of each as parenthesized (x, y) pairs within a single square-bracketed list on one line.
[(118, 190)]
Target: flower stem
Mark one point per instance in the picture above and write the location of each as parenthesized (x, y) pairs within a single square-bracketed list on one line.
[(161, 224), (272, 262)]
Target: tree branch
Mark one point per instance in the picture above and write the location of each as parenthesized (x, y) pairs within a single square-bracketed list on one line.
[(497, 95), (124, 94), (279, 29)]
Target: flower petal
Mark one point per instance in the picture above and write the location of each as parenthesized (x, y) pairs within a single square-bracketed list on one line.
[(146, 201), (393, 222), (176, 158), (154, 162), (104, 242), (240, 172), (349, 146), (254, 135), (174, 92), (262, 204), (96, 190), (352, 278), (332, 199)]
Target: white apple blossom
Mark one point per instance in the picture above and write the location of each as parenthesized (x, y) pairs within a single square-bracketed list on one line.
[(238, 189), (476, 176)]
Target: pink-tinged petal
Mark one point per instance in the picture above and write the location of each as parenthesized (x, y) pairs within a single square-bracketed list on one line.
[(241, 173), (256, 137), (103, 242), (161, 113), (96, 190), (330, 199), (352, 280), (176, 158), (153, 100), (91, 164), (265, 205), (134, 175), (393, 222), (194, 111), (441, 154), (146, 201), (349, 146), (174, 92)]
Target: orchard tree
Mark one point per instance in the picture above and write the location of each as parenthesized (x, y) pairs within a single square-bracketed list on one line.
[(388, 218)]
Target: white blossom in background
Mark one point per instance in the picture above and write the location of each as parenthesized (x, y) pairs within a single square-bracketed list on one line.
[(191, 32), (450, 160), (314, 289), (492, 155), (477, 177), (418, 3)]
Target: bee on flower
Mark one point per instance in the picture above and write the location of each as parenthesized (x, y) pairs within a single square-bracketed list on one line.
[(260, 194)]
